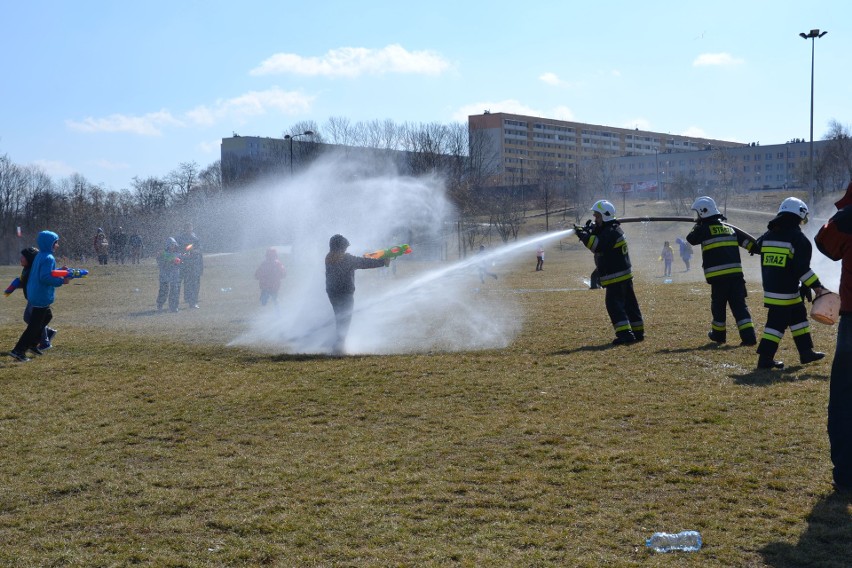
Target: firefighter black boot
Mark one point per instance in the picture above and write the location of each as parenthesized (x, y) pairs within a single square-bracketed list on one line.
[(766, 355), (717, 336), (805, 346), (810, 356), (624, 337), (769, 363), (748, 337)]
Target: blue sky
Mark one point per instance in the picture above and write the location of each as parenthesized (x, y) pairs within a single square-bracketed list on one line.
[(113, 90)]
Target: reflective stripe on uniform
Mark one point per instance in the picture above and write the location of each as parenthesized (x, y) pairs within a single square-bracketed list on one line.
[(772, 335)]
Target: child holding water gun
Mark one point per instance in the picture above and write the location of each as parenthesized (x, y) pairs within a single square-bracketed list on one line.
[(27, 257), (41, 286)]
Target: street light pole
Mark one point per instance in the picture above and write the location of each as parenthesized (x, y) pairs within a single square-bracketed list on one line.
[(290, 138), (812, 35)]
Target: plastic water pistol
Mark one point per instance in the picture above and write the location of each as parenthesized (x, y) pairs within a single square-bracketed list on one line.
[(69, 273), (390, 252)]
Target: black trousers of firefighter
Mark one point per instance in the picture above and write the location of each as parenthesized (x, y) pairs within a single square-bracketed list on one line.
[(623, 309), (778, 319), (726, 292)]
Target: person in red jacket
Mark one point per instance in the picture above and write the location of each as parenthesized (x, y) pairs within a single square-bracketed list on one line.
[(269, 275), (834, 240)]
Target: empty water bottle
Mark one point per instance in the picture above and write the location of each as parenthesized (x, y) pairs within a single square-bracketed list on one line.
[(686, 541)]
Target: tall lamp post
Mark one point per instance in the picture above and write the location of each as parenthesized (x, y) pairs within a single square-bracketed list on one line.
[(290, 138), (812, 35)]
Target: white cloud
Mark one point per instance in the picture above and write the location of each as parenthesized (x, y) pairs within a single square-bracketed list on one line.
[(716, 60), (356, 61), (694, 132), (550, 79), (210, 146), (55, 168), (563, 113), (147, 125), (253, 103)]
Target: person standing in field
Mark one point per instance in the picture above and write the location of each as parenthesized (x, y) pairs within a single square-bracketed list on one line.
[(539, 258), (135, 248), (192, 265), (101, 246), (785, 263), (834, 240), (340, 270), (607, 241), (720, 253), (667, 256), (685, 252), (169, 261), (269, 275)]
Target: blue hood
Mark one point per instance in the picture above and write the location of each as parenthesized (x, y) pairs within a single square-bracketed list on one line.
[(46, 240)]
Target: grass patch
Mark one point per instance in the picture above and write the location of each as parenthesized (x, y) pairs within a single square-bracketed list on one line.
[(140, 439)]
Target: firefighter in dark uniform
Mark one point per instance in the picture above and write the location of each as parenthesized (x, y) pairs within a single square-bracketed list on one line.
[(606, 240), (785, 261), (723, 269)]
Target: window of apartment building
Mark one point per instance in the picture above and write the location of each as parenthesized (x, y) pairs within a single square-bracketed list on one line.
[(746, 168), (780, 155)]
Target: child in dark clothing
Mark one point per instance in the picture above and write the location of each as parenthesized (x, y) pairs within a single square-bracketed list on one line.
[(41, 286), (27, 257), (340, 270)]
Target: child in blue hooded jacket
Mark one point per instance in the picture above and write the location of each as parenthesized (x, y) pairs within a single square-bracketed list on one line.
[(41, 287)]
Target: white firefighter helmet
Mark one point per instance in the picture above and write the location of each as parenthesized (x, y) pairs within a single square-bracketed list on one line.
[(705, 207), (795, 206), (605, 208)]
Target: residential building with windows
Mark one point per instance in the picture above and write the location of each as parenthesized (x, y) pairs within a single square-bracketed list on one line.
[(517, 149), (741, 168)]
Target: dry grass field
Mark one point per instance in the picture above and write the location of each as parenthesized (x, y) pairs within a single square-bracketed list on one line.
[(142, 439)]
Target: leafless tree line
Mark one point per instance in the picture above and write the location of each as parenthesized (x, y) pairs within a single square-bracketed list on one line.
[(30, 201)]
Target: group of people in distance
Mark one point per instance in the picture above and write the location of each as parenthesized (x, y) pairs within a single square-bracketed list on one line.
[(785, 267)]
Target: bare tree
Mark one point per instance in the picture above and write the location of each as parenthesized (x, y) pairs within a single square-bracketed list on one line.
[(183, 180), (834, 168), (152, 194)]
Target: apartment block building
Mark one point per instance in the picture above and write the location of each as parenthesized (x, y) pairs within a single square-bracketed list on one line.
[(742, 168), (517, 149)]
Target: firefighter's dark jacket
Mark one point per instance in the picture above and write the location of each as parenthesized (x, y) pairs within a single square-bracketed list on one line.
[(609, 246), (785, 254), (720, 247)]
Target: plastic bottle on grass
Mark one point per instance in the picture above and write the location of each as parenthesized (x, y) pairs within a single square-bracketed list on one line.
[(685, 541)]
